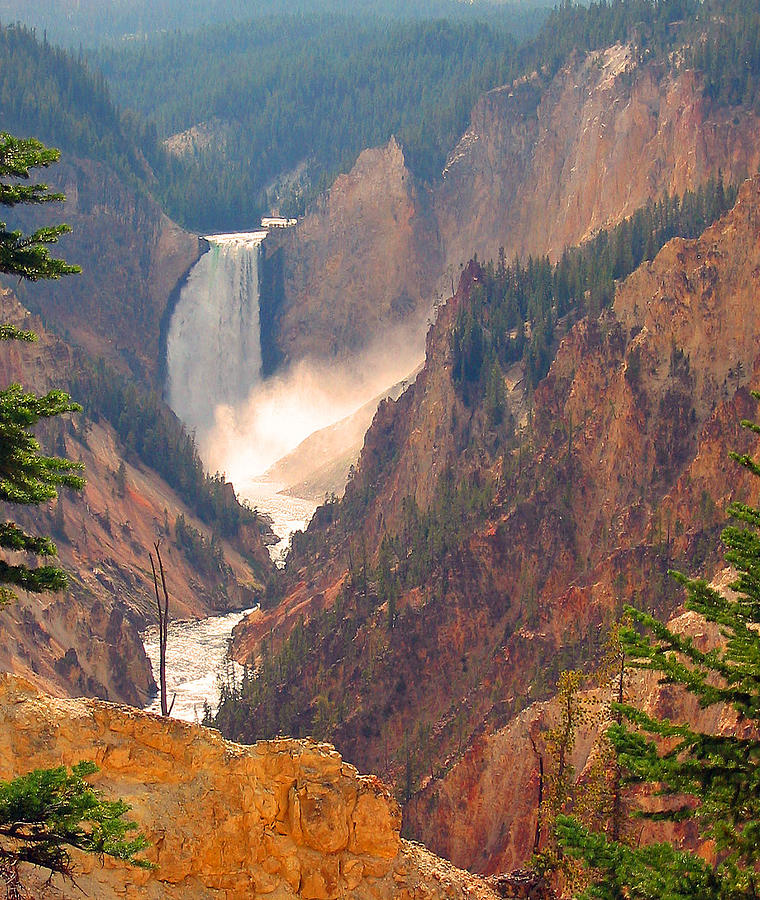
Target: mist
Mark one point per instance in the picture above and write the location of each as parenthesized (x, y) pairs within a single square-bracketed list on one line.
[(282, 411)]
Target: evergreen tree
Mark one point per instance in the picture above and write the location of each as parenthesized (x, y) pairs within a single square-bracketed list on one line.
[(44, 812), (26, 475), (713, 779), (48, 811)]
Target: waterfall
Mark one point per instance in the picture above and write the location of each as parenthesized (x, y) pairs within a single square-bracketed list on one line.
[(213, 347)]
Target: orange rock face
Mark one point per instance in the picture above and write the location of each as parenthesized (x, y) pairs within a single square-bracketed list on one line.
[(280, 819)]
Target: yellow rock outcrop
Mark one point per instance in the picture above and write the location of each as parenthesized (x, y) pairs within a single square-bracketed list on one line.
[(279, 819)]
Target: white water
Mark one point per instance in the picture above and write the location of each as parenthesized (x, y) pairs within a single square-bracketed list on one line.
[(288, 513), (195, 659), (196, 650), (213, 348)]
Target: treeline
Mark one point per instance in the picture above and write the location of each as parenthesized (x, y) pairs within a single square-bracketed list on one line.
[(51, 94), (91, 23), (729, 54), (515, 309), (316, 88), (155, 436), (288, 89)]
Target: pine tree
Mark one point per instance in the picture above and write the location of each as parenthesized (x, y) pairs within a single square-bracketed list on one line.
[(45, 812), (48, 811), (713, 779), (26, 475)]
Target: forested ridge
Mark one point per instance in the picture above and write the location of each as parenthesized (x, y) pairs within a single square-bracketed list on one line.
[(305, 89), (313, 88), (91, 23)]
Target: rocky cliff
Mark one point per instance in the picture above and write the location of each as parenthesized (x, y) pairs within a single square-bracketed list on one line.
[(543, 165), (619, 472), (132, 258), (361, 263), (280, 819), (86, 639)]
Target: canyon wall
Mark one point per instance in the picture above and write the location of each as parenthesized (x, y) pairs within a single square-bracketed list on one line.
[(498, 773), (85, 640), (361, 263), (280, 819), (619, 472), (543, 166)]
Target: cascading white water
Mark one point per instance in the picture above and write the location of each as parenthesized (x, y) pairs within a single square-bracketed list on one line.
[(213, 349)]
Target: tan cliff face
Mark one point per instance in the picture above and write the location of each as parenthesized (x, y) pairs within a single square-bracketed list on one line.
[(283, 819), (621, 472), (541, 167), (85, 640), (360, 263)]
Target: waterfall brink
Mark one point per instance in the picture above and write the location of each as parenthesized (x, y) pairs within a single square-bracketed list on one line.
[(213, 348)]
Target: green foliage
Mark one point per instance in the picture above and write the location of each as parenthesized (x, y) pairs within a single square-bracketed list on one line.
[(27, 255), (43, 813), (50, 93), (713, 779), (206, 554), (27, 476), (48, 811), (515, 311)]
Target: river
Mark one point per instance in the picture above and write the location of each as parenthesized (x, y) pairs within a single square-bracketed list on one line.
[(196, 650)]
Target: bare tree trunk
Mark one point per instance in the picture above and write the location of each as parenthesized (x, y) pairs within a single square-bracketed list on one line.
[(163, 629), (617, 798)]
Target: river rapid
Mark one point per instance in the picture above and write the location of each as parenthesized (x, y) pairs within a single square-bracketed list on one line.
[(196, 650)]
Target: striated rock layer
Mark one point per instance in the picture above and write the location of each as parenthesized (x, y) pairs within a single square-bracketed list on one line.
[(498, 774), (283, 819), (620, 472)]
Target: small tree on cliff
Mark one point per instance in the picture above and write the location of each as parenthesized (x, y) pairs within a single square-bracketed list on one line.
[(45, 812), (713, 779), (26, 475)]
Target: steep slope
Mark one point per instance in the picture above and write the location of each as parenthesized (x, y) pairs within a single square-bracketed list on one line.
[(618, 471), (544, 164), (280, 819), (361, 264), (498, 774), (86, 640), (132, 258)]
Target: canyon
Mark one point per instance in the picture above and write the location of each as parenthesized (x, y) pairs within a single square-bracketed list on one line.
[(594, 503), (616, 470)]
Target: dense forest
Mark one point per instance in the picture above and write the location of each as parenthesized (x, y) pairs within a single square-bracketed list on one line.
[(157, 438), (288, 101), (91, 23), (516, 309), (317, 90)]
